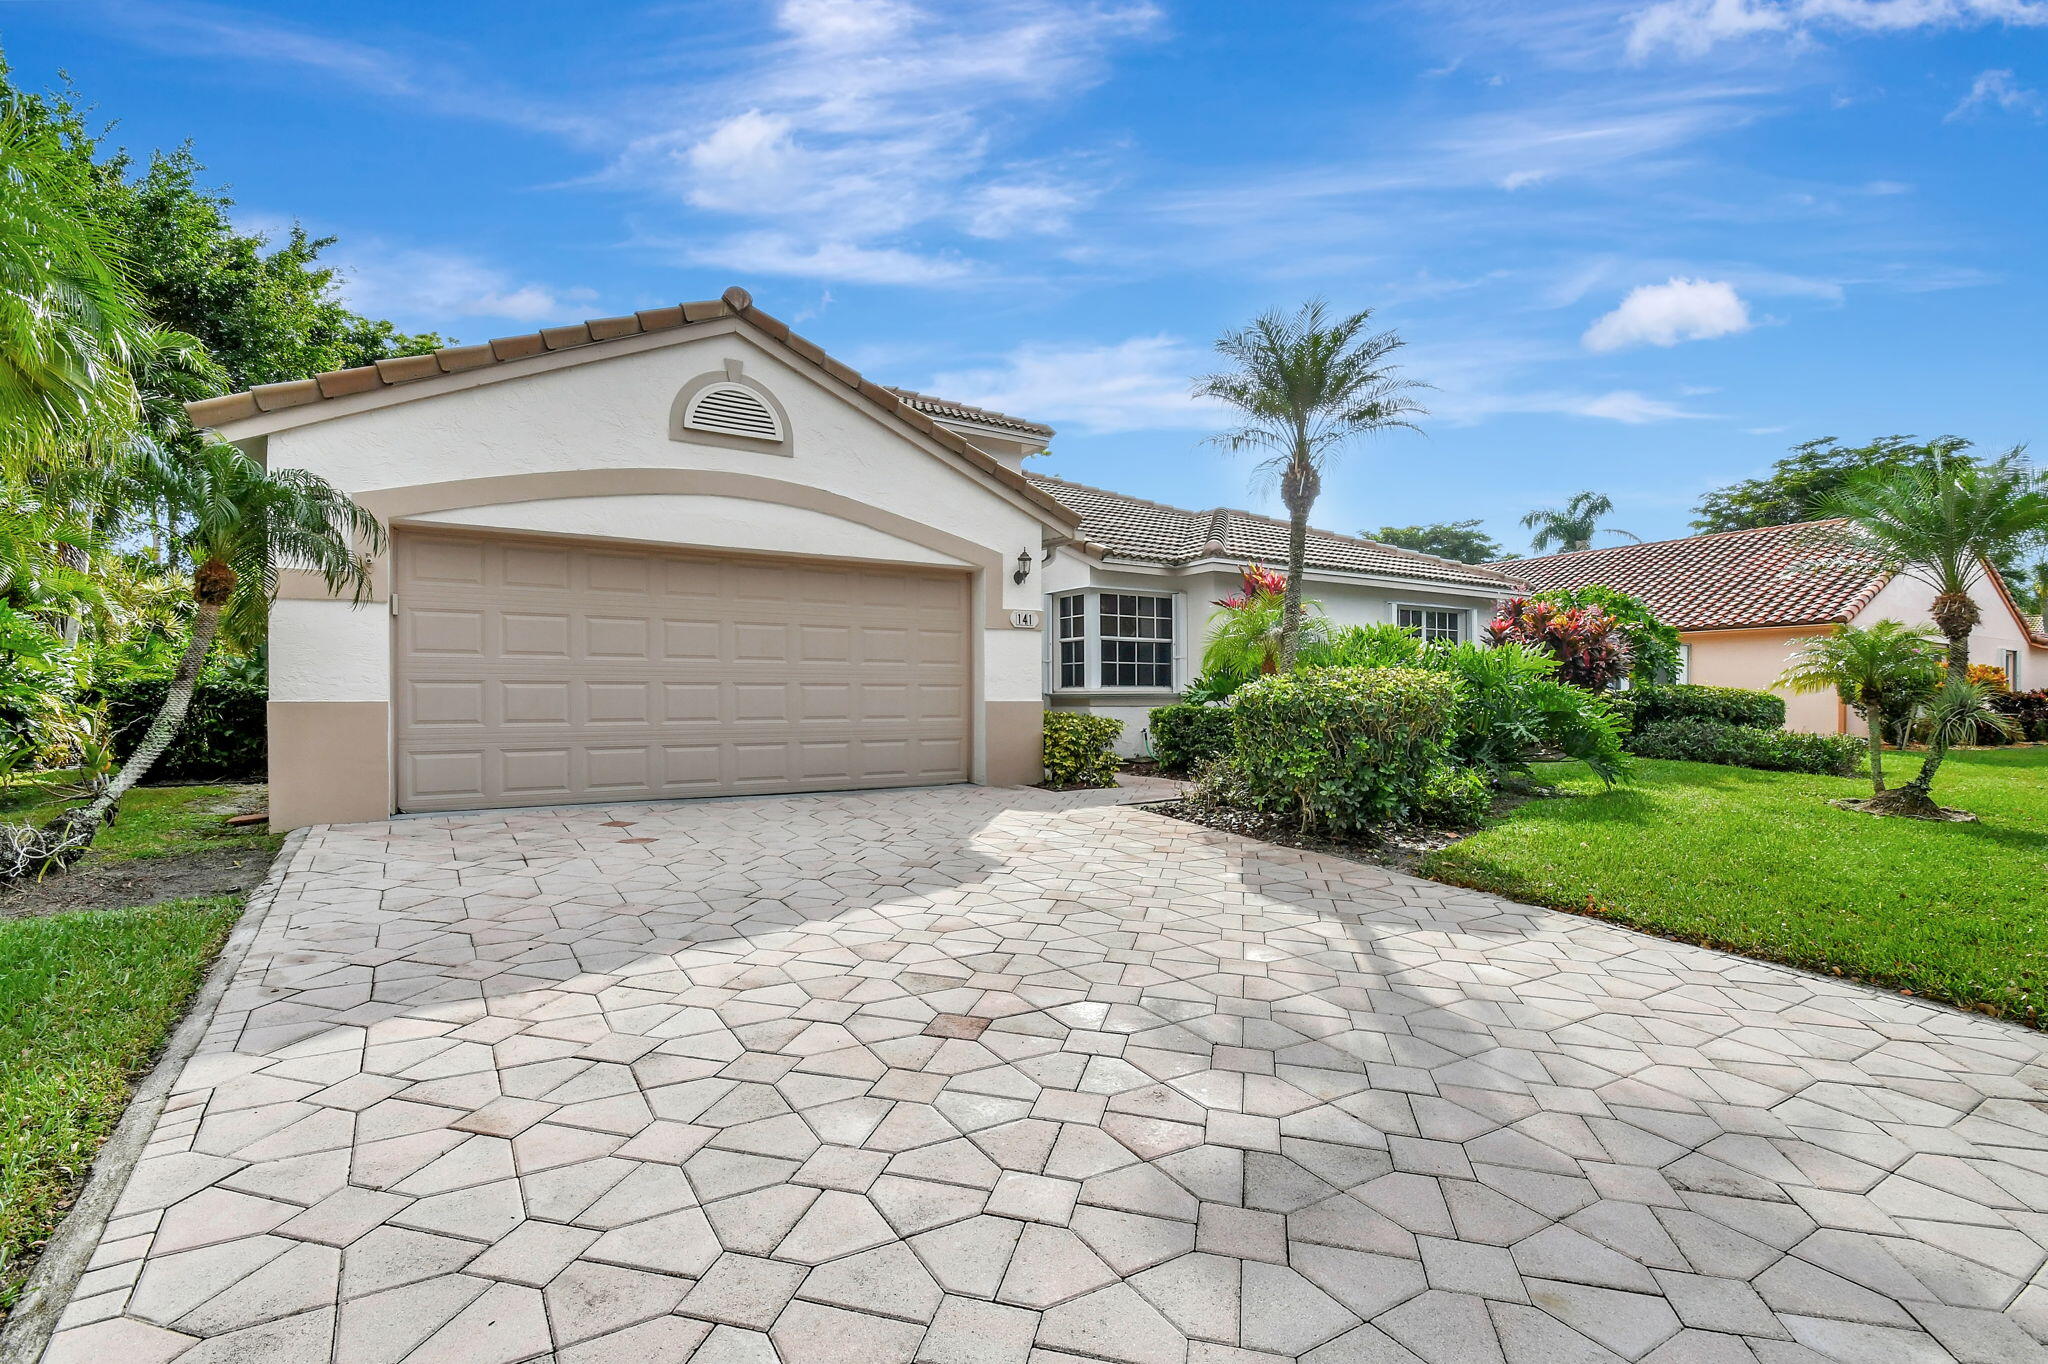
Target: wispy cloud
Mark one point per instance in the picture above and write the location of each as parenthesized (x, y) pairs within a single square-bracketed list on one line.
[(1694, 27), (1666, 314), (1999, 90), (425, 287), (1139, 384)]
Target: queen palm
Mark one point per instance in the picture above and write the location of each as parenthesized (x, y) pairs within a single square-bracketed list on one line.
[(242, 526), (1942, 525), (1882, 672), (1573, 525), (1306, 386)]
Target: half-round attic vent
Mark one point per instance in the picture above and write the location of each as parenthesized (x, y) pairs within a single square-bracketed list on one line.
[(732, 410)]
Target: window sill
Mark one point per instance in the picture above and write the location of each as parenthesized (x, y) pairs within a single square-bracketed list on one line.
[(1114, 694)]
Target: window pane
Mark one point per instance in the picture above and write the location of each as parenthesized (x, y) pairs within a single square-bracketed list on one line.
[(1137, 640)]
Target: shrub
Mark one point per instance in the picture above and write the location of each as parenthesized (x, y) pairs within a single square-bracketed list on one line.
[(1590, 648), (1080, 748), (1653, 645), (1772, 750), (1184, 736), (1726, 705), (1510, 704), (2028, 710), (225, 736), (1457, 797), (1362, 646), (1342, 749)]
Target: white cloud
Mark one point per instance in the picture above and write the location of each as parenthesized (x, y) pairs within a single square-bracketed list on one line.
[(1626, 405), (427, 287), (1694, 27), (1998, 89), (1666, 314), (1140, 384), (783, 253)]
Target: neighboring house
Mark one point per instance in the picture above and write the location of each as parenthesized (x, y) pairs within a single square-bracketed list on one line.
[(1130, 601), (1743, 600), (685, 552)]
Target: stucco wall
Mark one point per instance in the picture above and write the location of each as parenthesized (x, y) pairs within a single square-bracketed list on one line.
[(610, 417), (1910, 600), (1755, 659)]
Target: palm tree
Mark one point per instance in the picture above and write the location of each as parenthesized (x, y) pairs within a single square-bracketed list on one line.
[(1573, 525), (1881, 672), (2040, 584), (1958, 711), (244, 526), (68, 315), (1306, 385), (1942, 525)]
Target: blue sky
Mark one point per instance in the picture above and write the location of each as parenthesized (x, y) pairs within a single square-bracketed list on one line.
[(1637, 247)]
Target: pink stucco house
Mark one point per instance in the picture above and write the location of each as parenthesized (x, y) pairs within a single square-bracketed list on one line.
[(1743, 600)]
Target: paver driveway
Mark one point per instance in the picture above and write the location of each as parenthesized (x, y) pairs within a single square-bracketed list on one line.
[(969, 1076)]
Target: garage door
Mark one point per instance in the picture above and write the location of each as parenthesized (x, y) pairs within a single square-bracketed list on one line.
[(538, 672)]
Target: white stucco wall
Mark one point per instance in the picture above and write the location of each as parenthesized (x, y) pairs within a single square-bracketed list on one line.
[(1912, 601), (611, 411)]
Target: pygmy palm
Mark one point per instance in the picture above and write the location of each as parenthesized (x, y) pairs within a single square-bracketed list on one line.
[(1942, 526), (1881, 672), (1305, 385), (244, 526), (1573, 525)]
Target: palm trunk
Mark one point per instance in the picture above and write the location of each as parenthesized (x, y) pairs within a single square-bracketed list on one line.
[(1915, 798), (1298, 490), (169, 717), (1959, 654), (1873, 719)]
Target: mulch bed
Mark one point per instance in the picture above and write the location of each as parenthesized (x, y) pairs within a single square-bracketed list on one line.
[(1403, 850)]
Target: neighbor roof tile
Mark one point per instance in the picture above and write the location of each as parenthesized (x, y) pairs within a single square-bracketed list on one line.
[(1807, 573)]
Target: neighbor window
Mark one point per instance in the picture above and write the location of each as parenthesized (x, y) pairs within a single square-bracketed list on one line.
[(1433, 623), (2012, 669), (1137, 640), (1071, 640)]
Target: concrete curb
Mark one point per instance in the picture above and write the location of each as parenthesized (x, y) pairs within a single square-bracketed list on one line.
[(70, 1249)]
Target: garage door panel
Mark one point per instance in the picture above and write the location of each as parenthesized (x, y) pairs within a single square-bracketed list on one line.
[(547, 674)]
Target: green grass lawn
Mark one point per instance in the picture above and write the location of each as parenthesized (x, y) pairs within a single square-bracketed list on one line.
[(87, 996), (1760, 863)]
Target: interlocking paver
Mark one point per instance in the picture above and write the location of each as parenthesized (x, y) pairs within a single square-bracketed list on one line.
[(1014, 1077)]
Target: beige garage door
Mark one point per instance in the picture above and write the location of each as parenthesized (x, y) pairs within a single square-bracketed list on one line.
[(538, 672)]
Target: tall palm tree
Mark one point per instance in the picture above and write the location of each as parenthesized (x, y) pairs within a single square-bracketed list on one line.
[(1942, 526), (68, 314), (1573, 525), (2039, 576), (1881, 672), (243, 526), (1306, 385)]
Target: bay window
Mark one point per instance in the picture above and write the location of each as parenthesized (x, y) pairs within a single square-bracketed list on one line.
[(1115, 641)]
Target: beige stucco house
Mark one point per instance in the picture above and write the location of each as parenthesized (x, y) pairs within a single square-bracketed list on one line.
[(1742, 602), (685, 552)]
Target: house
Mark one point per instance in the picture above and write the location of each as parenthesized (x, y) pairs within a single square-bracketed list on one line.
[(1131, 595), (685, 552), (1743, 600)]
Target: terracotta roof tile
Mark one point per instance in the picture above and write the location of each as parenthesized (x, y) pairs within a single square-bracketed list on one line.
[(941, 407), (1807, 573), (1132, 528)]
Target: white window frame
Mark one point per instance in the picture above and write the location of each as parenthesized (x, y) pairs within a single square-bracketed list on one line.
[(1463, 613), (2011, 663), (1090, 599)]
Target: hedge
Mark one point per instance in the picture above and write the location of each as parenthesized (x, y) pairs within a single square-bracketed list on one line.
[(1685, 701), (1080, 748), (1343, 749), (224, 737), (1186, 736), (1710, 741)]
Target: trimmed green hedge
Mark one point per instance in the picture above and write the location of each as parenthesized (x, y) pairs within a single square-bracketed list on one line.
[(225, 736), (1710, 741), (1686, 701), (1185, 736), (1080, 748), (1343, 749)]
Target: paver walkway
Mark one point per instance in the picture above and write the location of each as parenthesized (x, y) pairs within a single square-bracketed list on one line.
[(970, 1076)]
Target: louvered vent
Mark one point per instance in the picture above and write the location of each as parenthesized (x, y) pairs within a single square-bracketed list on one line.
[(732, 410)]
